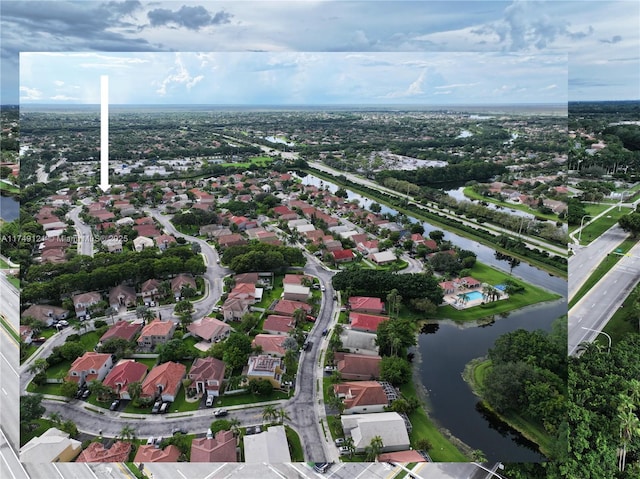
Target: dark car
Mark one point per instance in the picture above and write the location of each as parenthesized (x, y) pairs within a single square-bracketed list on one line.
[(114, 405), (307, 345), (321, 467), (220, 412), (86, 394), (178, 430), (156, 407)]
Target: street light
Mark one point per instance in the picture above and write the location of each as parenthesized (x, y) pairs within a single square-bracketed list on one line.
[(601, 332), (580, 234)]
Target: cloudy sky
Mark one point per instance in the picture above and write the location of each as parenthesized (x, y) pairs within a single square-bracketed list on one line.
[(321, 51)]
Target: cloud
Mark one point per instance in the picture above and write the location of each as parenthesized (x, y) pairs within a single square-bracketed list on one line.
[(414, 89), (63, 98), (192, 18), (27, 94), (58, 83), (612, 40), (179, 75)]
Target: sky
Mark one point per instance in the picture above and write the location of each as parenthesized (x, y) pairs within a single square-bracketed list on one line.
[(321, 51)]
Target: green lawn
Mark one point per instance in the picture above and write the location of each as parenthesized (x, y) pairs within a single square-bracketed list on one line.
[(486, 274), (469, 193), (591, 209), (26, 434), (442, 449), (295, 445), (247, 398), (3, 264), (603, 268), (623, 322), (595, 229), (261, 161), (54, 389), (14, 281)]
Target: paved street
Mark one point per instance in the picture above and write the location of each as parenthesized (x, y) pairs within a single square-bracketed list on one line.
[(85, 236), (595, 309)]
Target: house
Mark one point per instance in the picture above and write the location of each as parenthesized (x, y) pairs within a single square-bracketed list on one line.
[(142, 242), (296, 292), (276, 324), (234, 309), (359, 342), (366, 304), (113, 245), (125, 372), (470, 282), (368, 246), (233, 239), (267, 447), (250, 278), (97, 452), (270, 343), (247, 292), (448, 287), (152, 453), (357, 367), (221, 448), (288, 307), (383, 257), (365, 322), (122, 330), (179, 282), (154, 333), (121, 296), (390, 426), (164, 241), (45, 313), (296, 279), (149, 290), (164, 381), (210, 329), (342, 255), (53, 445), (361, 396), (26, 334), (265, 367), (90, 366), (404, 457), (84, 301), (206, 375)]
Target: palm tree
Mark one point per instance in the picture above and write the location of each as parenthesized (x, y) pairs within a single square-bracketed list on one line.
[(234, 422), (110, 311), (56, 417), (269, 413), (478, 456), (373, 449), (127, 433), (629, 426), (38, 366), (299, 316), (351, 447), (282, 414)]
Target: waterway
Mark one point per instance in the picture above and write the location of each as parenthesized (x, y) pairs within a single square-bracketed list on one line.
[(445, 348), (9, 208)]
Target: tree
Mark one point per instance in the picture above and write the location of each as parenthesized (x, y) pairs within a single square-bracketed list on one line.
[(111, 311), (260, 387), (135, 390), (349, 444), (290, 344), (630, 223), (31, 408), (38, 366), (423, 444), (478, 456), (394, 300), (145, 313), (436, 235), (269, 413), (395, 336), (100, 391), (373, 449), (299, 316), (173, 350), (127, 433), (395, 370), (68, 389)]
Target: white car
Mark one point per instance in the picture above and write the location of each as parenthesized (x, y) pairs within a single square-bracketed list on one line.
[(344, 450)]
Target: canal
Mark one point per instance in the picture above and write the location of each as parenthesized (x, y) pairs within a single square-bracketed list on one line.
[(444, 350)]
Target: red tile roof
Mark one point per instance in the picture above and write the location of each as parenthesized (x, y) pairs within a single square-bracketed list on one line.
[(157, 328), (366, 304), (361, 393), (358, 366), (365, 322), (271, 343), (402, 456), (124, 373), (287, 306), (168, 374), (282, 324), (123, 330)]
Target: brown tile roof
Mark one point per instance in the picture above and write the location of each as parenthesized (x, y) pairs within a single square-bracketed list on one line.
[(208, 328), (271, 343), (365, 303), (157, 328), (365, 322), (204, 369), (168, 374), (151, 454), (287, 306), (402, 456), (361, 393), (97, 452), (123, 330), (352, 366), (274, 322), (221, 448)]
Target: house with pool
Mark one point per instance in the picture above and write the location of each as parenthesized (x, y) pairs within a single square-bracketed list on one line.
[(467, 292)]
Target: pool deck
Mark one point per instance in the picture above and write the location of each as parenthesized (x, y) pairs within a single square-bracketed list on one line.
[(453, 299)]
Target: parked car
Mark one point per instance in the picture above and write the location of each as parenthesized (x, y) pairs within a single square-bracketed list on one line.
[(209, 401), (307, 345), (178, 430), (220, 412), (164, 407), (322, 287), (325, 331), (321, 467), (114, 405), (156, 407), (340, 441), (344, 450), (86, 394)]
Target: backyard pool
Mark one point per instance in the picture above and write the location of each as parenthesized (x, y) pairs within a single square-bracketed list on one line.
[(471, 295)]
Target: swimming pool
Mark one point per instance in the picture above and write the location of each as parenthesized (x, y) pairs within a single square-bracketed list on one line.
[(471, 295), (501, 287)]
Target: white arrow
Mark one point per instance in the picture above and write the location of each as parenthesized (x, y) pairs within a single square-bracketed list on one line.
[(104, 133)]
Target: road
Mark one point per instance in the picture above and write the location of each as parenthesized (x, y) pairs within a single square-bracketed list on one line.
[(83, 231), (595, 309), (9, 302)]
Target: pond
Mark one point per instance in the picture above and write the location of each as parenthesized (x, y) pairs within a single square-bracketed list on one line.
[(9, 208)]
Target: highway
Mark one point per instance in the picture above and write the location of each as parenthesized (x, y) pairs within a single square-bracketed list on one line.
[(595, 309)]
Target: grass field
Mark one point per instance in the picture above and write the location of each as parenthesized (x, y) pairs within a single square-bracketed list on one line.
[(261, 161), (486, 274), (593, 210), (469, 193), (595, 229), (623, 322)]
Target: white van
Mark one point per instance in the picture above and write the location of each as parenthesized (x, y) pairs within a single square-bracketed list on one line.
[(209, 402)]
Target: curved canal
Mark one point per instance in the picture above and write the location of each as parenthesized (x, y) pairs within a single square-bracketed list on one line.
[(445, 348)]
